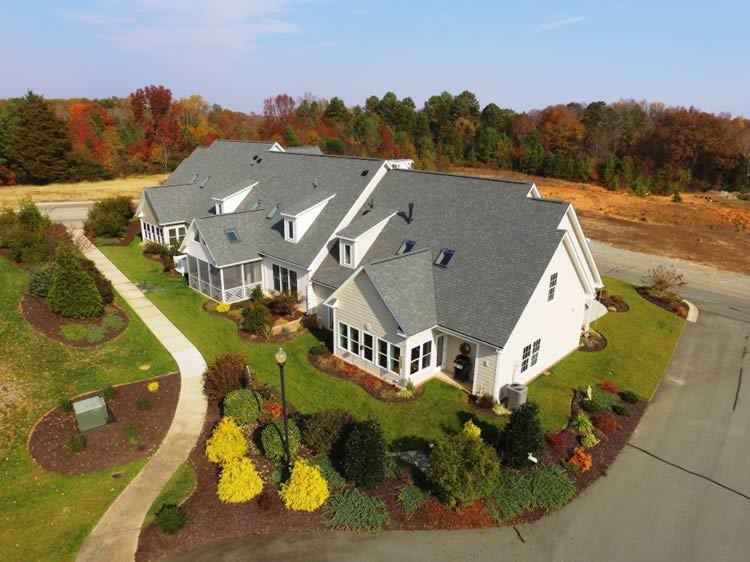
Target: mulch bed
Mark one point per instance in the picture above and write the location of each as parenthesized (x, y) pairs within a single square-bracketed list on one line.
[(134, 229), (613, 301), (37, 313), (281, 337), (592, 342), (107, 446), (374, 386), (677, 307)]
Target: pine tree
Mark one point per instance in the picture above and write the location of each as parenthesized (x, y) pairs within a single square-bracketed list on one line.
[(39, 147), (522, 436), (73, 293)]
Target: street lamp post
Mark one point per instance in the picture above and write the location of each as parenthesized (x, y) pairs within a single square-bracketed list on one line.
[(281, 360)]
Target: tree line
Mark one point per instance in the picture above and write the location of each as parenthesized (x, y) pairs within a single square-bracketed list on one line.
[(644, 147)]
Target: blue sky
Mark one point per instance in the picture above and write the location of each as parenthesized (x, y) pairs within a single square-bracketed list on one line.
[(517, 54)]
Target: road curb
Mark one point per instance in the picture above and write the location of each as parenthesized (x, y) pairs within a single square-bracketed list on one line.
[(692, 312)]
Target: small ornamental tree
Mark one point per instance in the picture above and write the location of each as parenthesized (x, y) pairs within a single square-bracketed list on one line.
[(663, 282), (227, 442), (73, 293), (239, 481), (306, 490), (271, 437), (242, 405), (321, 431), (364, 455), (225, 374), (256, 319), (522, 436), (463, 469)]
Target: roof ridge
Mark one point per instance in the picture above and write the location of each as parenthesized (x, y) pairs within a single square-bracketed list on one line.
[(556, 201), (231, 214), (467, 176), (397, 256), (338, 156), (243, 140)]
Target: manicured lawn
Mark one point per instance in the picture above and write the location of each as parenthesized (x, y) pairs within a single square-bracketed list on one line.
[(440, 408), (45, 516), (640, 346), (179, 487)]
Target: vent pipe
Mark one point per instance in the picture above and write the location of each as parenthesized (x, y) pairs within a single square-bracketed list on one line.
[(410, 217)]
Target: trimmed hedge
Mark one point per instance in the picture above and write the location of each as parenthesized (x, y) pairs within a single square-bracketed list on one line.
[(364, 455), (109, 217), (521, 436), (242, 405), (73, 293)]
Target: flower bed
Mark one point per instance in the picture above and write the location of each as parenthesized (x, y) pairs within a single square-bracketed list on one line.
[(614, 303), (74, 332), (136, 430), (592, 342), (675, 305), (373, 385), (282, 331)]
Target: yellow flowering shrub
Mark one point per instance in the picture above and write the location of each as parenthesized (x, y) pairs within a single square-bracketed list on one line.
[(153, 386), (471, 430), (239, 481), (223, 307), (227, 443), (306, 489)]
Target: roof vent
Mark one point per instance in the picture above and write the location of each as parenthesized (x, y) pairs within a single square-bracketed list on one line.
[(273, 211), (406, 247), (195, 177), (204, 182), (260, 160), (410, 216), (315, 183), (256, 205), (255, 157), (365, 172), (232, 235)]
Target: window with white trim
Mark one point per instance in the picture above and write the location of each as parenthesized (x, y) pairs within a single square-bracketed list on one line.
[(552, 287), (289, 229), (354, 340), (347, 253), (284, 280), (389, 357), (383, 354), (368, 344), (420, 354), (530, 355), (426, 354), (414, 360)]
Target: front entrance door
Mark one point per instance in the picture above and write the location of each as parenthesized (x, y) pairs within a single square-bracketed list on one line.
[(440, 351)]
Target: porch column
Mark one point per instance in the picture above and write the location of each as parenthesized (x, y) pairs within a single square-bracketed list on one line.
[(497, 382), (221, 277), (245, 292)]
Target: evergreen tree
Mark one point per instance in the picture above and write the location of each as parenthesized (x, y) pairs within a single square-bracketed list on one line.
[(292, 139), (522, 436), (364, 455), (73, 293), (609, 171), (39, 147)]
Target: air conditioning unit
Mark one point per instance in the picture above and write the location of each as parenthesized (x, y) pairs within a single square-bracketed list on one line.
[(517, 394)]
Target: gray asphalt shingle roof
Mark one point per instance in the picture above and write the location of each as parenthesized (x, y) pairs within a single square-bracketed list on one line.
[(406, 284), (304, 150), (503, 242), (363, 223), (317, 196)]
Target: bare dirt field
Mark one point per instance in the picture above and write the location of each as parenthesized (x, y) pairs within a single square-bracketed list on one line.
[(82, 191), (700, 229)]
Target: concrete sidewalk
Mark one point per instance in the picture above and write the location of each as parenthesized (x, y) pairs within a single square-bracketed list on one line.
[(115, 537)]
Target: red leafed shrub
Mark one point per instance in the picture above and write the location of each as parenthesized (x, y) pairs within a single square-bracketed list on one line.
[(562, 442), (273, 409), (606, 423), (471, 517), (581, 460), (609, 386)]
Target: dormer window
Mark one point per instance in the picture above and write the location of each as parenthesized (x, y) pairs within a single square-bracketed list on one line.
[(347, 253), (289, 228), (444, 257), (406, 247)]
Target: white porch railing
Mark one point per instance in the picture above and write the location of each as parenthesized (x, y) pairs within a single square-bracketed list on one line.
[(237, 294)]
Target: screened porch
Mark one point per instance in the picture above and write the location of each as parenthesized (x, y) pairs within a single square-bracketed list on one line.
[(229, 284)]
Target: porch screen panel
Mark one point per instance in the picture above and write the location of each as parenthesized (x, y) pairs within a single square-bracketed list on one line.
[(203, 272), (232, 277), (192, 266), (215, 276), (252, 273)]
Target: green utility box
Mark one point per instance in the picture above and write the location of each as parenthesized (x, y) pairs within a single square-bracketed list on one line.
[(91, 413)]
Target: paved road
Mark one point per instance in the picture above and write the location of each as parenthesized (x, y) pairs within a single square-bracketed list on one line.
[(680, 491), (71, 214)]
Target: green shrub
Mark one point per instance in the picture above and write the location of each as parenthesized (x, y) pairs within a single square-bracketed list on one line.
[(332, 476), (113, 322), (170, 519), (109, 392), (41, 279), (272, 441), (109, 217), (284, 304), (131, 433), (521, 436), (392, 466), (462, 469), (256, 319), (257, 294), (8, 224), (226, 373), (364, 455), (412, 497), (583, 424), (73, 293), (600, 400), (242, 406), (266, 392), (630, 397), (354, 511), (77, 443), (74, 332), (319, 348), (65, 405), (550, 488), (509, 497), (143, 404), (95, 334), (103, 285), (152, 248), (322, 430), (621, 410)]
